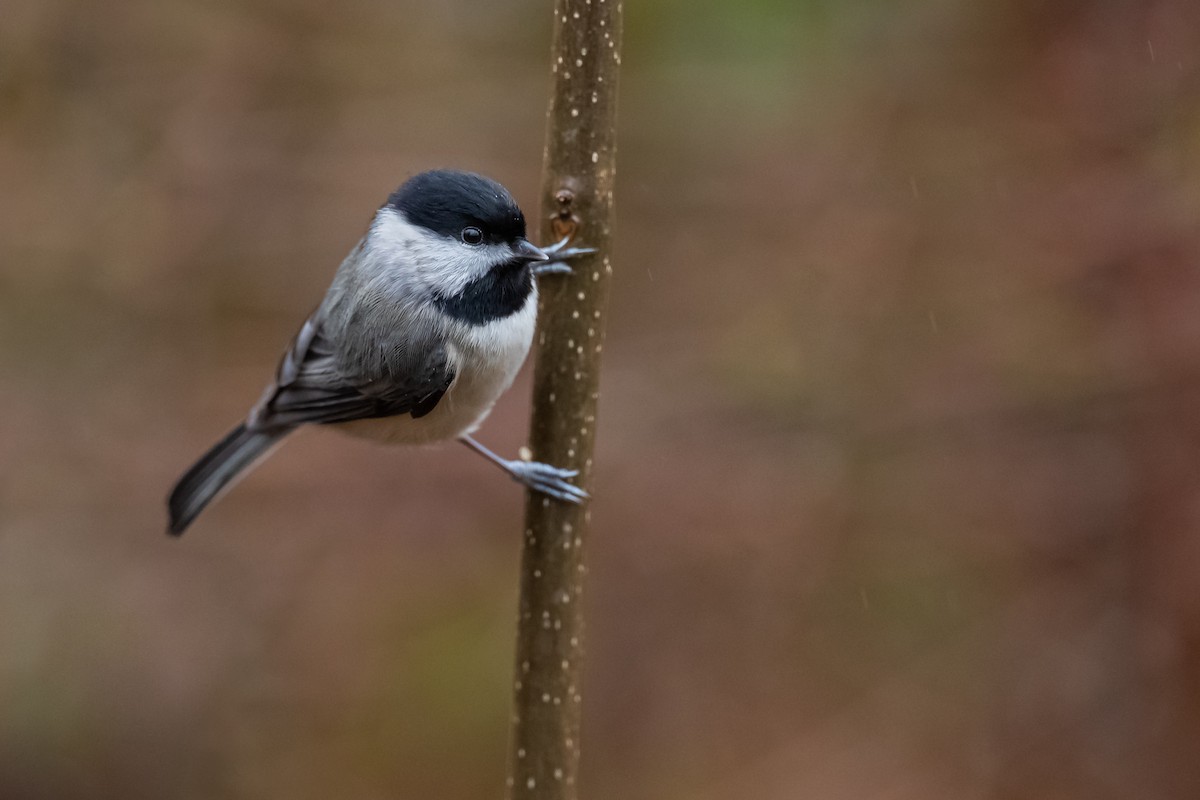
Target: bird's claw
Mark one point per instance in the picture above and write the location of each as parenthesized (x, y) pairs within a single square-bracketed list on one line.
[(559, 250), (559, 254), (552, 268), (547, 479)]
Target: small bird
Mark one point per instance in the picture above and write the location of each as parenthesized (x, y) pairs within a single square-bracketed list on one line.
[(424, 327)]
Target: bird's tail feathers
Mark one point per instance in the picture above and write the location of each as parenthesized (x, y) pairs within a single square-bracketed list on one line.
[(216, 471)]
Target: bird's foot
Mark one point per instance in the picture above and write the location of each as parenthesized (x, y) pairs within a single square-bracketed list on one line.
[(560, 254), (546, 479)]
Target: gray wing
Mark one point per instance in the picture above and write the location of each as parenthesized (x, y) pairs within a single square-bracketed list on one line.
[(310, 388)]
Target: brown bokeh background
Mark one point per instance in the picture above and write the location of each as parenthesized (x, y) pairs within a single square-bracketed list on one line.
[(898, 487)]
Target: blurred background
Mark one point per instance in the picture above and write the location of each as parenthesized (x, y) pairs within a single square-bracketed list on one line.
[(898, 485)]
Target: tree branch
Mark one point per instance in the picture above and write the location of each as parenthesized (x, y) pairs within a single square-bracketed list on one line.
[(577, 200)]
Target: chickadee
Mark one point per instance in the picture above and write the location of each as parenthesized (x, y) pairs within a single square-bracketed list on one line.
[(424, 327)]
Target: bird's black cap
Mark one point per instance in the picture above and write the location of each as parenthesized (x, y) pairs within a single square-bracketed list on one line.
[(446, 201)]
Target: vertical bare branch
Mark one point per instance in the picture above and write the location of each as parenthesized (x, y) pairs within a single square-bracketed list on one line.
[(577, 200)]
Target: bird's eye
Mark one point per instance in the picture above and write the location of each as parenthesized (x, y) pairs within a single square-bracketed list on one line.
[(472, 235)]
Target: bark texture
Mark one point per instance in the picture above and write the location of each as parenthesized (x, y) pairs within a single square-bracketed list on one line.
[(577, 200)]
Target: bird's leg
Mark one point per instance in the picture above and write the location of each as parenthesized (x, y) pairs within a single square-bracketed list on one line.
[(560, 254), (537, 476)]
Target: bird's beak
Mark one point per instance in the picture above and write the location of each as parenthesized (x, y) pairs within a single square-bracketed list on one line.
[(528, 251)]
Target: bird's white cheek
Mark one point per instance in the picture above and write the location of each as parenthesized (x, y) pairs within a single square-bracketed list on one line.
[(417, 257)]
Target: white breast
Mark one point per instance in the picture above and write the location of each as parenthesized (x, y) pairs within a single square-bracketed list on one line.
[(486, 359)]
